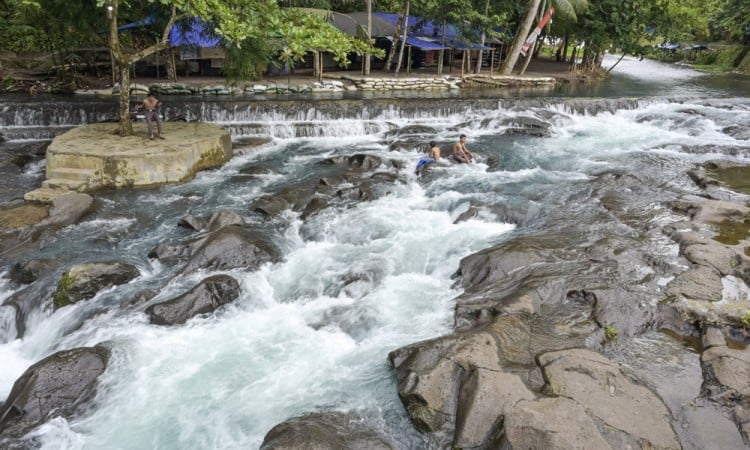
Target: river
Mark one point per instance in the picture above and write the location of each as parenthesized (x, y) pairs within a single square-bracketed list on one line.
[(312, 333)]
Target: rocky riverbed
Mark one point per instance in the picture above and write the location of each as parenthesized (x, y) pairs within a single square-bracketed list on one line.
[(611, 310)]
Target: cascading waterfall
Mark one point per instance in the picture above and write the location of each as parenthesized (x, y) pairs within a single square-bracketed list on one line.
[(313, 331)]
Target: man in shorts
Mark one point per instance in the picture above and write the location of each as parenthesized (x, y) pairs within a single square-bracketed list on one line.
[(460, 152)]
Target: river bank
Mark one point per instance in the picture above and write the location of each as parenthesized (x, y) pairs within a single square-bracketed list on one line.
[(590, 263)]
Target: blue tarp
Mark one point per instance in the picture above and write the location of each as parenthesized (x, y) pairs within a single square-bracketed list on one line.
[(423, 44), (422, 30), (143, 23), (193, 33)]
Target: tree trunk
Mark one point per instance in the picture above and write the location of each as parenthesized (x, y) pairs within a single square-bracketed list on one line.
[(126, 126), (368, 56), (521, 34), (441, 55), (615, 64), (396, 35), (529, 56), (403, 41), (484, 36)]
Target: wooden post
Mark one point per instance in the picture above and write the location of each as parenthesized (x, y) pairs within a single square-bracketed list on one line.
[(492, 60)]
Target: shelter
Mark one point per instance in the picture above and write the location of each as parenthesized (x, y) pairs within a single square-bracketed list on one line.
[(199, 47)]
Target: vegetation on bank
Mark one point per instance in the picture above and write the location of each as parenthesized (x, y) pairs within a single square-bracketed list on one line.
[(262, 34), (712, 58)]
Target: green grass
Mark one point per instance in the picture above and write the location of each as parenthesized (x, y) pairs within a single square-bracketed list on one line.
[(610, 332)]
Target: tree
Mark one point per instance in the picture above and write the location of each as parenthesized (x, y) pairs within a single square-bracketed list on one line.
[(562, 7), (236, 22)]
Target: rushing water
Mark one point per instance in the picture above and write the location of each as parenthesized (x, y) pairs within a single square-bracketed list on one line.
[(312, 332)]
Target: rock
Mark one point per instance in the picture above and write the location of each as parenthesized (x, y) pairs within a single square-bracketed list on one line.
[(601, 388), (85, 280), (458, 387), (313, 207), (231, 247), (551, 424), (529, 126), (206, 297), (485, 396), (713, 337), (358, 161), (67, 209), (193, 223), (270, 205), (324, 431), (58, 385), (29, 271), (698, 283), (224, 218), (726, 372), (628, 311), (170, 252), (255, 170)]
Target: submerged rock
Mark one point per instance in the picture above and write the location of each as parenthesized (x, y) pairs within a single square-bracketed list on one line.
[(85, 280), (58, 385), (325, 431), (29, 271), (206, 297)]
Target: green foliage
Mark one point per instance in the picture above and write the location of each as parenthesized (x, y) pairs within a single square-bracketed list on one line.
[(731, 57), (62, 294), (745, 319), (610, 332), (249, 61)]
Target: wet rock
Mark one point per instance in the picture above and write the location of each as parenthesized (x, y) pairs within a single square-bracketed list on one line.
[(324, 431), (85, 280), (627, 311), (738, 132), (599, 386), (412, 130), (206, 297), (698, 283), (29, 271), (359, 193), (255, 170), (231, 247), (58, 385), (528, 126), (315, 205), (68, 209), (172, 252), (141, 297), (551, 424), (358, 161), (193, 223), (223, 218), (270, 205)]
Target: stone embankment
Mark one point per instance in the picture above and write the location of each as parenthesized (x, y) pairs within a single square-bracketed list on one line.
[(341, 84)]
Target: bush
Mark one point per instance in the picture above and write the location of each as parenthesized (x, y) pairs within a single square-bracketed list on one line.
[(732, 56)]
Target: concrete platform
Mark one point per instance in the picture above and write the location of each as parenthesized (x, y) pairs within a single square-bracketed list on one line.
[(94, 157)]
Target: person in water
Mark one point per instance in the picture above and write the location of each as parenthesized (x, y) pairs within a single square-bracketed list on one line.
[(460, 152), (432, 155), (151, 104)]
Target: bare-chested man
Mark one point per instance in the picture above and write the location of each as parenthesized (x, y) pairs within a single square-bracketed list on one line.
[(460, 152), (151, 104)]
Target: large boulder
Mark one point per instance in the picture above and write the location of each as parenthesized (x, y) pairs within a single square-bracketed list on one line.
[(85, 280), (457, 388), (324, 431), (599, 386), (231, 247), (219, 219), (208, 295), (58, 385), (551, 424)]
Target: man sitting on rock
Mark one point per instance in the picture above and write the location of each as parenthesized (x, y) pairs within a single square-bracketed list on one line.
[(460, 152), (151, 104)]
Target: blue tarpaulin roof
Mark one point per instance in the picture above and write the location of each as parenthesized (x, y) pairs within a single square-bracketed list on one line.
[(423, 44), (420, 29), (193, 32)]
